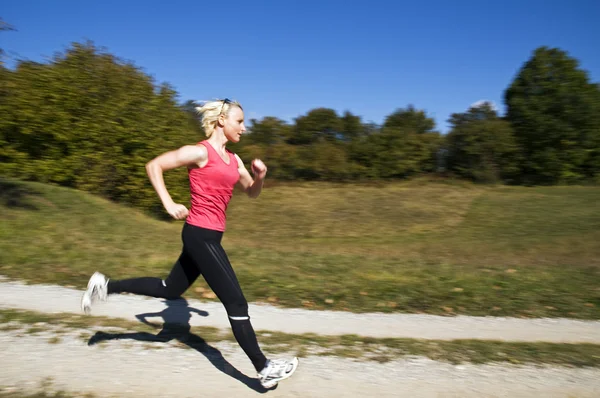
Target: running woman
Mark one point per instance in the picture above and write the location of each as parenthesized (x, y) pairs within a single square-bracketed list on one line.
[(213, 172)]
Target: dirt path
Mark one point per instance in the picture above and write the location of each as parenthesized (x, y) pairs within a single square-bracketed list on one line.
[(132, 368), (48, 298)]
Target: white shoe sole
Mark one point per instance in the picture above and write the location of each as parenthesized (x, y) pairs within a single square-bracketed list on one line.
[(88, 296), (274, 382), (86, 302)]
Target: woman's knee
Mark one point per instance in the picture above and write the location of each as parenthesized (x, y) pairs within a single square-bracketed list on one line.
[(172, 292), (237, 309)]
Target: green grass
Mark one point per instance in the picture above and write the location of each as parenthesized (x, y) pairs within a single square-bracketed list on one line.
[(347, 346), (418, 246)]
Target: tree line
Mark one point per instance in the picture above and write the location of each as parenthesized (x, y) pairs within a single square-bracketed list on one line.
[(91, 121)]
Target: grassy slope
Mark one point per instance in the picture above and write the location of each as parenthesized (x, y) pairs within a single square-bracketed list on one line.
[(416, 246)]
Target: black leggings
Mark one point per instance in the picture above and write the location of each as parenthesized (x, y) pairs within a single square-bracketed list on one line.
[(202, 254)]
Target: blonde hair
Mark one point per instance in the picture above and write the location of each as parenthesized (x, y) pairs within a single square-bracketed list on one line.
[(210, 112)]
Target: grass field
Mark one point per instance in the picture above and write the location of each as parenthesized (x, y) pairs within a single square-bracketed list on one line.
[(419, 246)]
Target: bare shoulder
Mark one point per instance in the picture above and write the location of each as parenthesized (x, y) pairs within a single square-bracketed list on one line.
[(193, 154), (239, 161)]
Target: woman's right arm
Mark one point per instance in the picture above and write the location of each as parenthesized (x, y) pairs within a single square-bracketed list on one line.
[(187, 155)]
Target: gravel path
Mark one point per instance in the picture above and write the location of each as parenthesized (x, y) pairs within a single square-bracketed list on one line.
[(132, 369), (53, 299)]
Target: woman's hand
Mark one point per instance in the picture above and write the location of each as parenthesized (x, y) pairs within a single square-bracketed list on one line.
[(177, 211), (259, 169)]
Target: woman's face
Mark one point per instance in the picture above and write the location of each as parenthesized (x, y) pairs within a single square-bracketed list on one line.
[(233, 125)]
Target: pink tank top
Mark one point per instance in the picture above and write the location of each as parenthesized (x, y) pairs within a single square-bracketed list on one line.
[(211, 188)]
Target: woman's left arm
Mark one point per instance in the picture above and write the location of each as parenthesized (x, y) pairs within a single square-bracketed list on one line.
[(252, 186)]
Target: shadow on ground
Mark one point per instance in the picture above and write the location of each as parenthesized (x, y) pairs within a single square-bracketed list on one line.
[(176, 326)]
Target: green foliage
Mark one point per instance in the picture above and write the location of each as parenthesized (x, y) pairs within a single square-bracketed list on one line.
[(482, 146), (88, 121), (410, 120), (269, 131), (91, 121), (314, 148), (266, 140), (352, 126), (555, 112), (317, 125), (189, 107), (405, 146)]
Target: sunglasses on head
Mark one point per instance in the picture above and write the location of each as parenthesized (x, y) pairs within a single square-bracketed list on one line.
[(225, 101)]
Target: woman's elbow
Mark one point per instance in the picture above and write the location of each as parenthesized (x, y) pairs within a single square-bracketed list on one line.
[(151, 165)]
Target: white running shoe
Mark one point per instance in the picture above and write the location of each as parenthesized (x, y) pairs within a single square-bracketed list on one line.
[(86, 302), (276, 370), (96, 290)]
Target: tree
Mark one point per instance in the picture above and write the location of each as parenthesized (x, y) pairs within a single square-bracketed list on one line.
[(266, 140), (406, 145), (555, 112), (268, 131), (89, 121), (410, 119), (317, 124), (352, 127), (8, 154), (481, 145), (194, 120)]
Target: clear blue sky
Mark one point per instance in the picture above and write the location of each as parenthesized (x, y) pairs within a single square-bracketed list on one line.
[(283, 58)]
